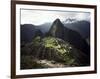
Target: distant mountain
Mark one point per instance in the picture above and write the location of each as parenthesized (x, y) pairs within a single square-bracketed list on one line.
[(82, 27), (70, 20), (76, 33), (44, 27), (28, 32), (63, 43), (58, 30)]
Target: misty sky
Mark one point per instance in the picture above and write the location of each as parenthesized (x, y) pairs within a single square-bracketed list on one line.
[(38, 17)]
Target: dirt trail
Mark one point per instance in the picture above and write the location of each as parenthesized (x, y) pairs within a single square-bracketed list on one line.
[(51, 64)]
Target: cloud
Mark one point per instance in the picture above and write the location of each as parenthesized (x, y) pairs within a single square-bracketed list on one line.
[(38, 17)]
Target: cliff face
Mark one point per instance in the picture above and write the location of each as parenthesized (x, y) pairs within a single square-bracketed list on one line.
[(57, 29)]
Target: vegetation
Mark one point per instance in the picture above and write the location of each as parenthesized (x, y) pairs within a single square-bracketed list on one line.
[(58, 47), (47, 49)]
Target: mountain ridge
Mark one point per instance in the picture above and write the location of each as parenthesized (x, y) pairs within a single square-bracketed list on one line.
[(58, 30), (59, 44)]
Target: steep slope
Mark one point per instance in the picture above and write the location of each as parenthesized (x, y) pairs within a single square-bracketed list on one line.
[(28, 32), (82, 27), (52, 52), (60, 47), (58, 30)]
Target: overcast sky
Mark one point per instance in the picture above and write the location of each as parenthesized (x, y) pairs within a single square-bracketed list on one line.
[(38, 17)]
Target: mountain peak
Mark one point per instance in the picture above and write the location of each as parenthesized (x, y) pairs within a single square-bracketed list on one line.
[(70, 20), (57, 21), (56, 29)]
